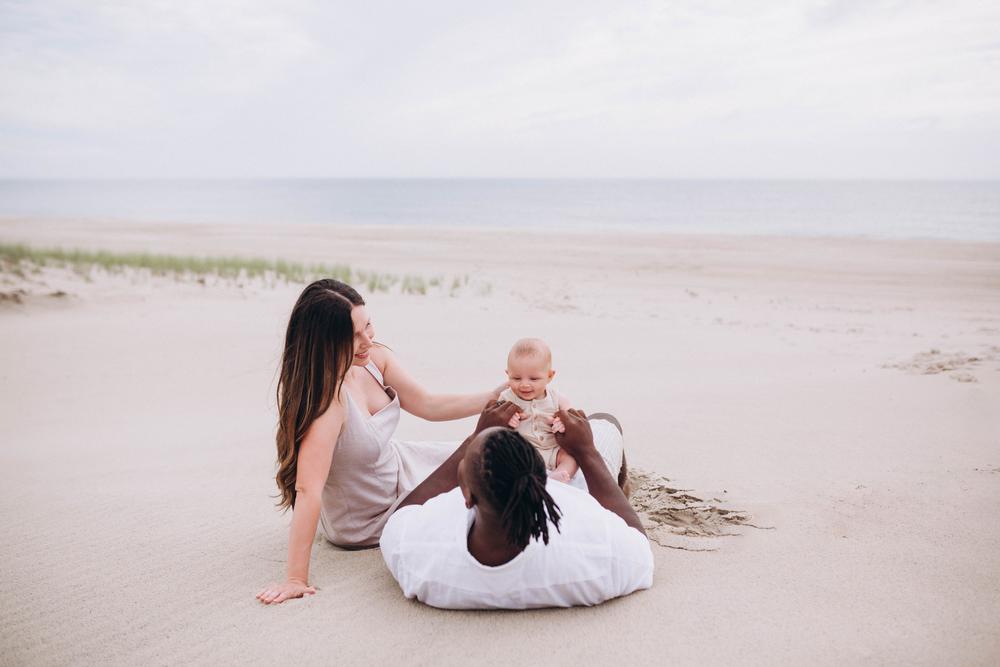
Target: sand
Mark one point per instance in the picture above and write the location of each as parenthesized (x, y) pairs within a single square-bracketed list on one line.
[(841, 395)]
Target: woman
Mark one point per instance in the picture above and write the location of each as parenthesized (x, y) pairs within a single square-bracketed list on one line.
[(339, 396)]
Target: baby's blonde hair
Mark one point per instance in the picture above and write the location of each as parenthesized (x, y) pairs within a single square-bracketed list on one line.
[(531, 347)]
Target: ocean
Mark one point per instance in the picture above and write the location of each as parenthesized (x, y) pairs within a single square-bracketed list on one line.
[(961, 210)]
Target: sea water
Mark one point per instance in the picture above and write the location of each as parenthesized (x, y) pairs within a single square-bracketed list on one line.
[(964, 210)]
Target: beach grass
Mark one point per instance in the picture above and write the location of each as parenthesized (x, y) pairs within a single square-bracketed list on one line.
[(19, 259)]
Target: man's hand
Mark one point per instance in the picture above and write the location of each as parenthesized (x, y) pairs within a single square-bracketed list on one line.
[(576, 438), (578, 442), (496, 413)]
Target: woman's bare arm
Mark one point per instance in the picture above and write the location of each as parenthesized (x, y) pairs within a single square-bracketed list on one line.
[(418, 401), (445, 478), (311, 470)]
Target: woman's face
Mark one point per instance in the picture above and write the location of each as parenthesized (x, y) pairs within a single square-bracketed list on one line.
[(364, 335)]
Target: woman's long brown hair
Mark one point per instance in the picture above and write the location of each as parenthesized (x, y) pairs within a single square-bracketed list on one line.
[(319, 350)]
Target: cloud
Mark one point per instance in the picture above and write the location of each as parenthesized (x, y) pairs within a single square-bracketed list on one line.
[(107, 65), (587, 88)]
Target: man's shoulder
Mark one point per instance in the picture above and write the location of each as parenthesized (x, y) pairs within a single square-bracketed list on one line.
[(437, 519), (585, 519), (577, 499)]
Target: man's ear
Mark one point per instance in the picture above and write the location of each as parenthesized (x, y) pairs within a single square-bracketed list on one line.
[(470, 500)]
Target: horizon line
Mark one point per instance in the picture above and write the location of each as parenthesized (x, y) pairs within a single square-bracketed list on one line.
[(209, 179)]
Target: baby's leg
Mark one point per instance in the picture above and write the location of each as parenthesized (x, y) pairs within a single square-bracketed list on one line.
[(566, 467)]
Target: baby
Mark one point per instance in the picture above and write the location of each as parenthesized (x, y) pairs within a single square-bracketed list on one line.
[(529, 372)]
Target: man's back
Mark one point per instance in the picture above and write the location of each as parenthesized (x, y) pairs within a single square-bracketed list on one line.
[(594, 557)]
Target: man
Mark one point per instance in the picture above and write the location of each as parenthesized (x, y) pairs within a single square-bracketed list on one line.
[(507, 537)]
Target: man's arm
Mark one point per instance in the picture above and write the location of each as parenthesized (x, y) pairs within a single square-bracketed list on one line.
[(578, 442), (445, 478)]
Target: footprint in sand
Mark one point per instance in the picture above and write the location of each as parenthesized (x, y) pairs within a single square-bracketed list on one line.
[(958, 365), (14, 296)]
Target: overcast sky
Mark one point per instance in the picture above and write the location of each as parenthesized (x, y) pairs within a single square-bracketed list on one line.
[(700, 89)]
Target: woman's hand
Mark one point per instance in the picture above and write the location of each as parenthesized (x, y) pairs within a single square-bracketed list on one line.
[(278, 593), (499, 390)]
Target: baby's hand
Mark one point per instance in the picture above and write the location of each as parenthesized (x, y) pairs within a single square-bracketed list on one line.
[(557, 426), (559, 476), (515, 420)]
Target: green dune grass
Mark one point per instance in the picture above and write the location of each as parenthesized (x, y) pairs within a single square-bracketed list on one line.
[(16, 258)]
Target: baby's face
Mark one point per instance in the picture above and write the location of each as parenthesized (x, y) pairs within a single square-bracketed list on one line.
[(528, 376)]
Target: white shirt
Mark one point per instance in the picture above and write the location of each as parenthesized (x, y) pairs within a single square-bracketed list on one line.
[(594, 558)]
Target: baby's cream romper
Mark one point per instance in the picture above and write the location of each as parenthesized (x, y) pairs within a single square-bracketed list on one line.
[(536, 425)]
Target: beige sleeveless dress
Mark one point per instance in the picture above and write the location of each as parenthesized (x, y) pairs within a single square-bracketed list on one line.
[(371, 472)]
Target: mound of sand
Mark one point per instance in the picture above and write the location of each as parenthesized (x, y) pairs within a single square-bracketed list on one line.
[(676, 519)]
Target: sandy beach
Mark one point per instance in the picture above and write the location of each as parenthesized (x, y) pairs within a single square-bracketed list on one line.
[(843, 393)]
